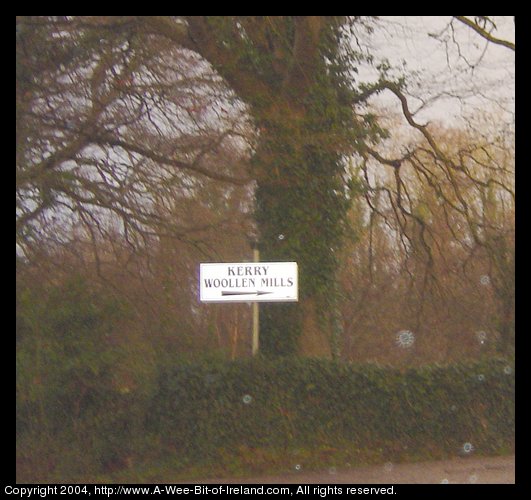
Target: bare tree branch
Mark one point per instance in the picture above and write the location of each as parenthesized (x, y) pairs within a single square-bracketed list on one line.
[(484, 33)]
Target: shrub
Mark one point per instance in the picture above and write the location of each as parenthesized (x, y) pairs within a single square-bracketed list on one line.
[(80, 382), (202, 408)]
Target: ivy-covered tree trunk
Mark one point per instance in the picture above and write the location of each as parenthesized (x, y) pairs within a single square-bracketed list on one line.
[(301, 202)]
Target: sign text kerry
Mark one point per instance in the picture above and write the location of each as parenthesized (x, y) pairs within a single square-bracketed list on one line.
[(249, 282)]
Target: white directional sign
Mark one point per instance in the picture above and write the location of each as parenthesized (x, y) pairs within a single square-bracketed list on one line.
[(249, 282)]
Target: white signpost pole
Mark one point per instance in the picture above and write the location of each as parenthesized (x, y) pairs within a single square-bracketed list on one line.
[(256, 310)]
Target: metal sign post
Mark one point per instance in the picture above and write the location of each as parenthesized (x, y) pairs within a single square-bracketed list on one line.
[(256, 311)]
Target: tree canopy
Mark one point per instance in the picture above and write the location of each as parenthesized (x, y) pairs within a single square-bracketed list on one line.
[(157, 128)]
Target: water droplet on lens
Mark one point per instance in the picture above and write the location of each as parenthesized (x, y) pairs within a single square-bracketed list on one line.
[(444, 481), (332, 470), (484, 280), (247, 399), (281, 236), (507, 370), (405, 338), (468, 448), (298, 467)]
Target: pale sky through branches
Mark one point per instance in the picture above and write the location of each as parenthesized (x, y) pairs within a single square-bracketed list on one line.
[(457, 73)]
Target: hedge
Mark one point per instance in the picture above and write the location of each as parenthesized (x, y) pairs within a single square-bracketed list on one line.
[(206, 412), (203, 408), (86, 403)]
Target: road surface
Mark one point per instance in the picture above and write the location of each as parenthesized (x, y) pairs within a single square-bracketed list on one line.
[(479, 470)]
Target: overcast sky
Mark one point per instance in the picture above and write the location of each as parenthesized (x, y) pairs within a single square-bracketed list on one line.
[(473, 74)]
